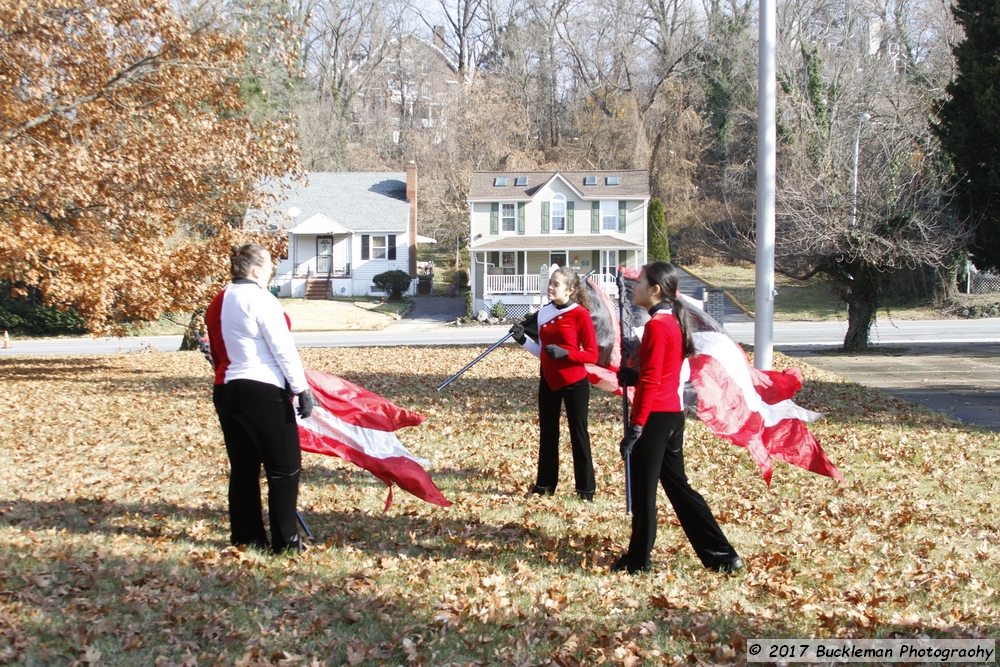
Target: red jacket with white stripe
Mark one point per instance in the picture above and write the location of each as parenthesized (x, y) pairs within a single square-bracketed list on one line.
[(250, 338), (572, 329), (663, 371)]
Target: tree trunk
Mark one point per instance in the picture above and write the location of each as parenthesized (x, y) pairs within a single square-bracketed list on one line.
[(863, 302), (860, 317), (194, 332)]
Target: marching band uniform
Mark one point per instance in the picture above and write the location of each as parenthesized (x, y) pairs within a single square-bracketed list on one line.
[(657, 407), (564, 380)]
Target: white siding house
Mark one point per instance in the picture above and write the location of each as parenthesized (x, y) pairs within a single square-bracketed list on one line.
[(344, 229), (520, 221)]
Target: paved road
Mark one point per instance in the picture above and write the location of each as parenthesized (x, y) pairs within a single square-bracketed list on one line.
[(959, 379), (831, 334)]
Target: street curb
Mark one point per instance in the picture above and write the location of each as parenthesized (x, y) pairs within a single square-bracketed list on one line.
[(746, 311)]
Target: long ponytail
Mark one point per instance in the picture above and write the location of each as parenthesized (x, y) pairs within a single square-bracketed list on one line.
[(665, 275)]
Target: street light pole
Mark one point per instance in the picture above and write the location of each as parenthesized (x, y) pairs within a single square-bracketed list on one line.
[(763, 325), (854, 182)]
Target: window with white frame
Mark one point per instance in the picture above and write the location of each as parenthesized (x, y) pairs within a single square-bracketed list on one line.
[(507, 217), (609, 216), (508, 260), (378, 247), (559, 213)]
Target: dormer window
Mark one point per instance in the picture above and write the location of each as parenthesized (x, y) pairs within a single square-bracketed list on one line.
[(521, 181), (611, 180), (590, 180), (500, 182)]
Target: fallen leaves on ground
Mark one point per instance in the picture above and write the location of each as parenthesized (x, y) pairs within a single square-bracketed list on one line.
[(114, 533)]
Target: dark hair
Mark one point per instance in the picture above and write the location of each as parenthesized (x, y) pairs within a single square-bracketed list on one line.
[(572, 279), (245, 257), (665, 275)]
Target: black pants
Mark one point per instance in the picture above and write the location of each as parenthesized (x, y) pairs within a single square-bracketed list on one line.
[(659, 455), (258, 422), (577, 399)]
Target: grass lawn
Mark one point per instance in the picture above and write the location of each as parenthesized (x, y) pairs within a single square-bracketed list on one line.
[(797, 301), (113, 529)]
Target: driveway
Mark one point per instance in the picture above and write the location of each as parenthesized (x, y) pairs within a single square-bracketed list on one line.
[(959, 379), (436, 309)]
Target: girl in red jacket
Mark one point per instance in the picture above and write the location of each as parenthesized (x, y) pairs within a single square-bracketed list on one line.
[(656, 432), (566, 341)]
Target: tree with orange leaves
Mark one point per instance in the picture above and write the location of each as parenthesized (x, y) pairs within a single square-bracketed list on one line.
[(127, 157)]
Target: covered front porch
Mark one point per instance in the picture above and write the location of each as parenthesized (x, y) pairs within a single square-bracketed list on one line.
[(512, 274)]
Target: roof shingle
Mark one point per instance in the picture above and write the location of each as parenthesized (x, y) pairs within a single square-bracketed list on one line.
[(632, 183)]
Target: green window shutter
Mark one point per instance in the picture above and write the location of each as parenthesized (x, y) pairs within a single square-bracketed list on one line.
[(495, 218), (365, 244), (595, 217), (391, 246), (520, 217), (569, 217), (495, 258), (595, 260), (545, 217), (621, 216), (520, 263)]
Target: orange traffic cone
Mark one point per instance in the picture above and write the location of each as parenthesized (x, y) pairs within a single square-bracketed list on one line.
[(6, 340)]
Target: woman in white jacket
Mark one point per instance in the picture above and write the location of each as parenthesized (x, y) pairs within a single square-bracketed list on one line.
[(257, 371)]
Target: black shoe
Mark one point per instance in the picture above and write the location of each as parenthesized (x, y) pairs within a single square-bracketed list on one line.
[(586, 496), (542, 490), (623, 563), (729, 567)]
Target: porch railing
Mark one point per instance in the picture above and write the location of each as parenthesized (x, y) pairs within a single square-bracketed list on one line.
[(529, 284), (305, 270)]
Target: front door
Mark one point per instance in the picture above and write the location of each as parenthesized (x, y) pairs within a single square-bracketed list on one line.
[(557, 258), (324, 255), (610, 260)]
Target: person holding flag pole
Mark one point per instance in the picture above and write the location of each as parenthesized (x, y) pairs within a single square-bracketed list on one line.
[(653, 444), (257, 373), (566, 342)]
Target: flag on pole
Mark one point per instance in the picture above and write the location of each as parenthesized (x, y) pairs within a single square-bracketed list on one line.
[(359, 426), (749, 407)]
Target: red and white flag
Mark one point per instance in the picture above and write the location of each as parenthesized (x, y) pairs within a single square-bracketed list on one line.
[(748, 407), (359, 426)]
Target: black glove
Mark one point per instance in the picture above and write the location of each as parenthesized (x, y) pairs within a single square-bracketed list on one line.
[(518, 331), (627, 377), (556, 352), (306, 404), (628, 442), (206, 348)]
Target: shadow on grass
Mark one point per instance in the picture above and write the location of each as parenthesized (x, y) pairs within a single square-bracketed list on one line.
[(437, 535), (33, 369), (218, 607)]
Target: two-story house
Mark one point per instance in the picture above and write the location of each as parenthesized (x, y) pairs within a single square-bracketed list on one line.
[(521, 221), (344, 228), (409, 89)]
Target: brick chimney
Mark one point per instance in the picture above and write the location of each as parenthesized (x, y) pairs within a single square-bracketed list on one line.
[(439, 37), (411, 228)]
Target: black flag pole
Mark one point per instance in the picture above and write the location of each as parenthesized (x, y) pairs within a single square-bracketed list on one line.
[(621, 322), (475, 361)]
